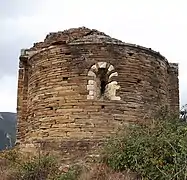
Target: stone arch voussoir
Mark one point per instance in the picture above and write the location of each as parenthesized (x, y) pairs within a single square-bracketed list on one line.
[(111, 86)]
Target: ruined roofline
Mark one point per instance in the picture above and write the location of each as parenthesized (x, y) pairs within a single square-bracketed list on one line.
[(78, 36), (28, 53)]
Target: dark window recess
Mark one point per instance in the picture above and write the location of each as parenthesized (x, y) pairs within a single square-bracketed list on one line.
[(102, 73), (139, 80), (103, 106), (36, 84), (43, 68), (132, 107), (67, 53), (130, 54), (103, 85), (58, 43), (49, 107), (65, 78)]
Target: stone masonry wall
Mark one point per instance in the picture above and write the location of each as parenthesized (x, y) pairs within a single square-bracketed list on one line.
[(59, 91), (173, 87)]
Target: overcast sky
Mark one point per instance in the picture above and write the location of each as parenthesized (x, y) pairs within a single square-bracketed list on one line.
[(157, 24)]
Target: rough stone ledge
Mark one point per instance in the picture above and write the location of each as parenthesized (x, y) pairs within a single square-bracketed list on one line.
[(64, 145), (174, 65), (125, 44), (27, 53)]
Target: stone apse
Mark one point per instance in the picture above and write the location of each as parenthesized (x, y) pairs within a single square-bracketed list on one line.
[(80, 85)]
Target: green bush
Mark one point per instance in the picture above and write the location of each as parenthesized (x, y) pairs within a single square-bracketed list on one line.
[(157, 151), (15, 166), (72, 174), (19, 167), (38, 168)]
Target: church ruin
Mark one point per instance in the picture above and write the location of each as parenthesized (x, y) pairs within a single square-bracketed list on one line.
[(79, 85)]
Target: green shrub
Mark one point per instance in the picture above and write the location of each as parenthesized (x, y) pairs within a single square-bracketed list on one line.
[(16, 166), (38, 168), (72, 174), (157, 151)]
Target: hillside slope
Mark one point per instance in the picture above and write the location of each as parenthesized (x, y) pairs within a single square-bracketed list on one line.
[(7, 129)]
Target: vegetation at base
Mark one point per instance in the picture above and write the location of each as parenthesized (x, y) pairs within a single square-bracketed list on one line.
[(156, 151), (46, 167), (72, 174), (42, 167), (35, 168)]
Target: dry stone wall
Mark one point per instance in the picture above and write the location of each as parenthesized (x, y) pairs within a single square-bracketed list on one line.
[(78, 86)]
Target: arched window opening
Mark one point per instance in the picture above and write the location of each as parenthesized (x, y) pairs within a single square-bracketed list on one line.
[(103, 80), (102, 84)]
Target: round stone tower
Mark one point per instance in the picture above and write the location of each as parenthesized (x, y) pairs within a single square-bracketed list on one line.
[(78, 86)]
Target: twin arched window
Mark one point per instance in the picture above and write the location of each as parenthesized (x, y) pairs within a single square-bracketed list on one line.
[(101, 84)]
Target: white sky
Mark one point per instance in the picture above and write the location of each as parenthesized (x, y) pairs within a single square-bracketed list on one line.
[(157, 24)]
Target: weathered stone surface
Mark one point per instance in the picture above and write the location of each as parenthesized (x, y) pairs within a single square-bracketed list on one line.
[(82, 84)]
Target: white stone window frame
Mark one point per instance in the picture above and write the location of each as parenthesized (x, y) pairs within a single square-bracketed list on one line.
[(111, 87)]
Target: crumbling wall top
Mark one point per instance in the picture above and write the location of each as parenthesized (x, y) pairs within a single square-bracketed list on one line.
[(67, 36), (81, 35)]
